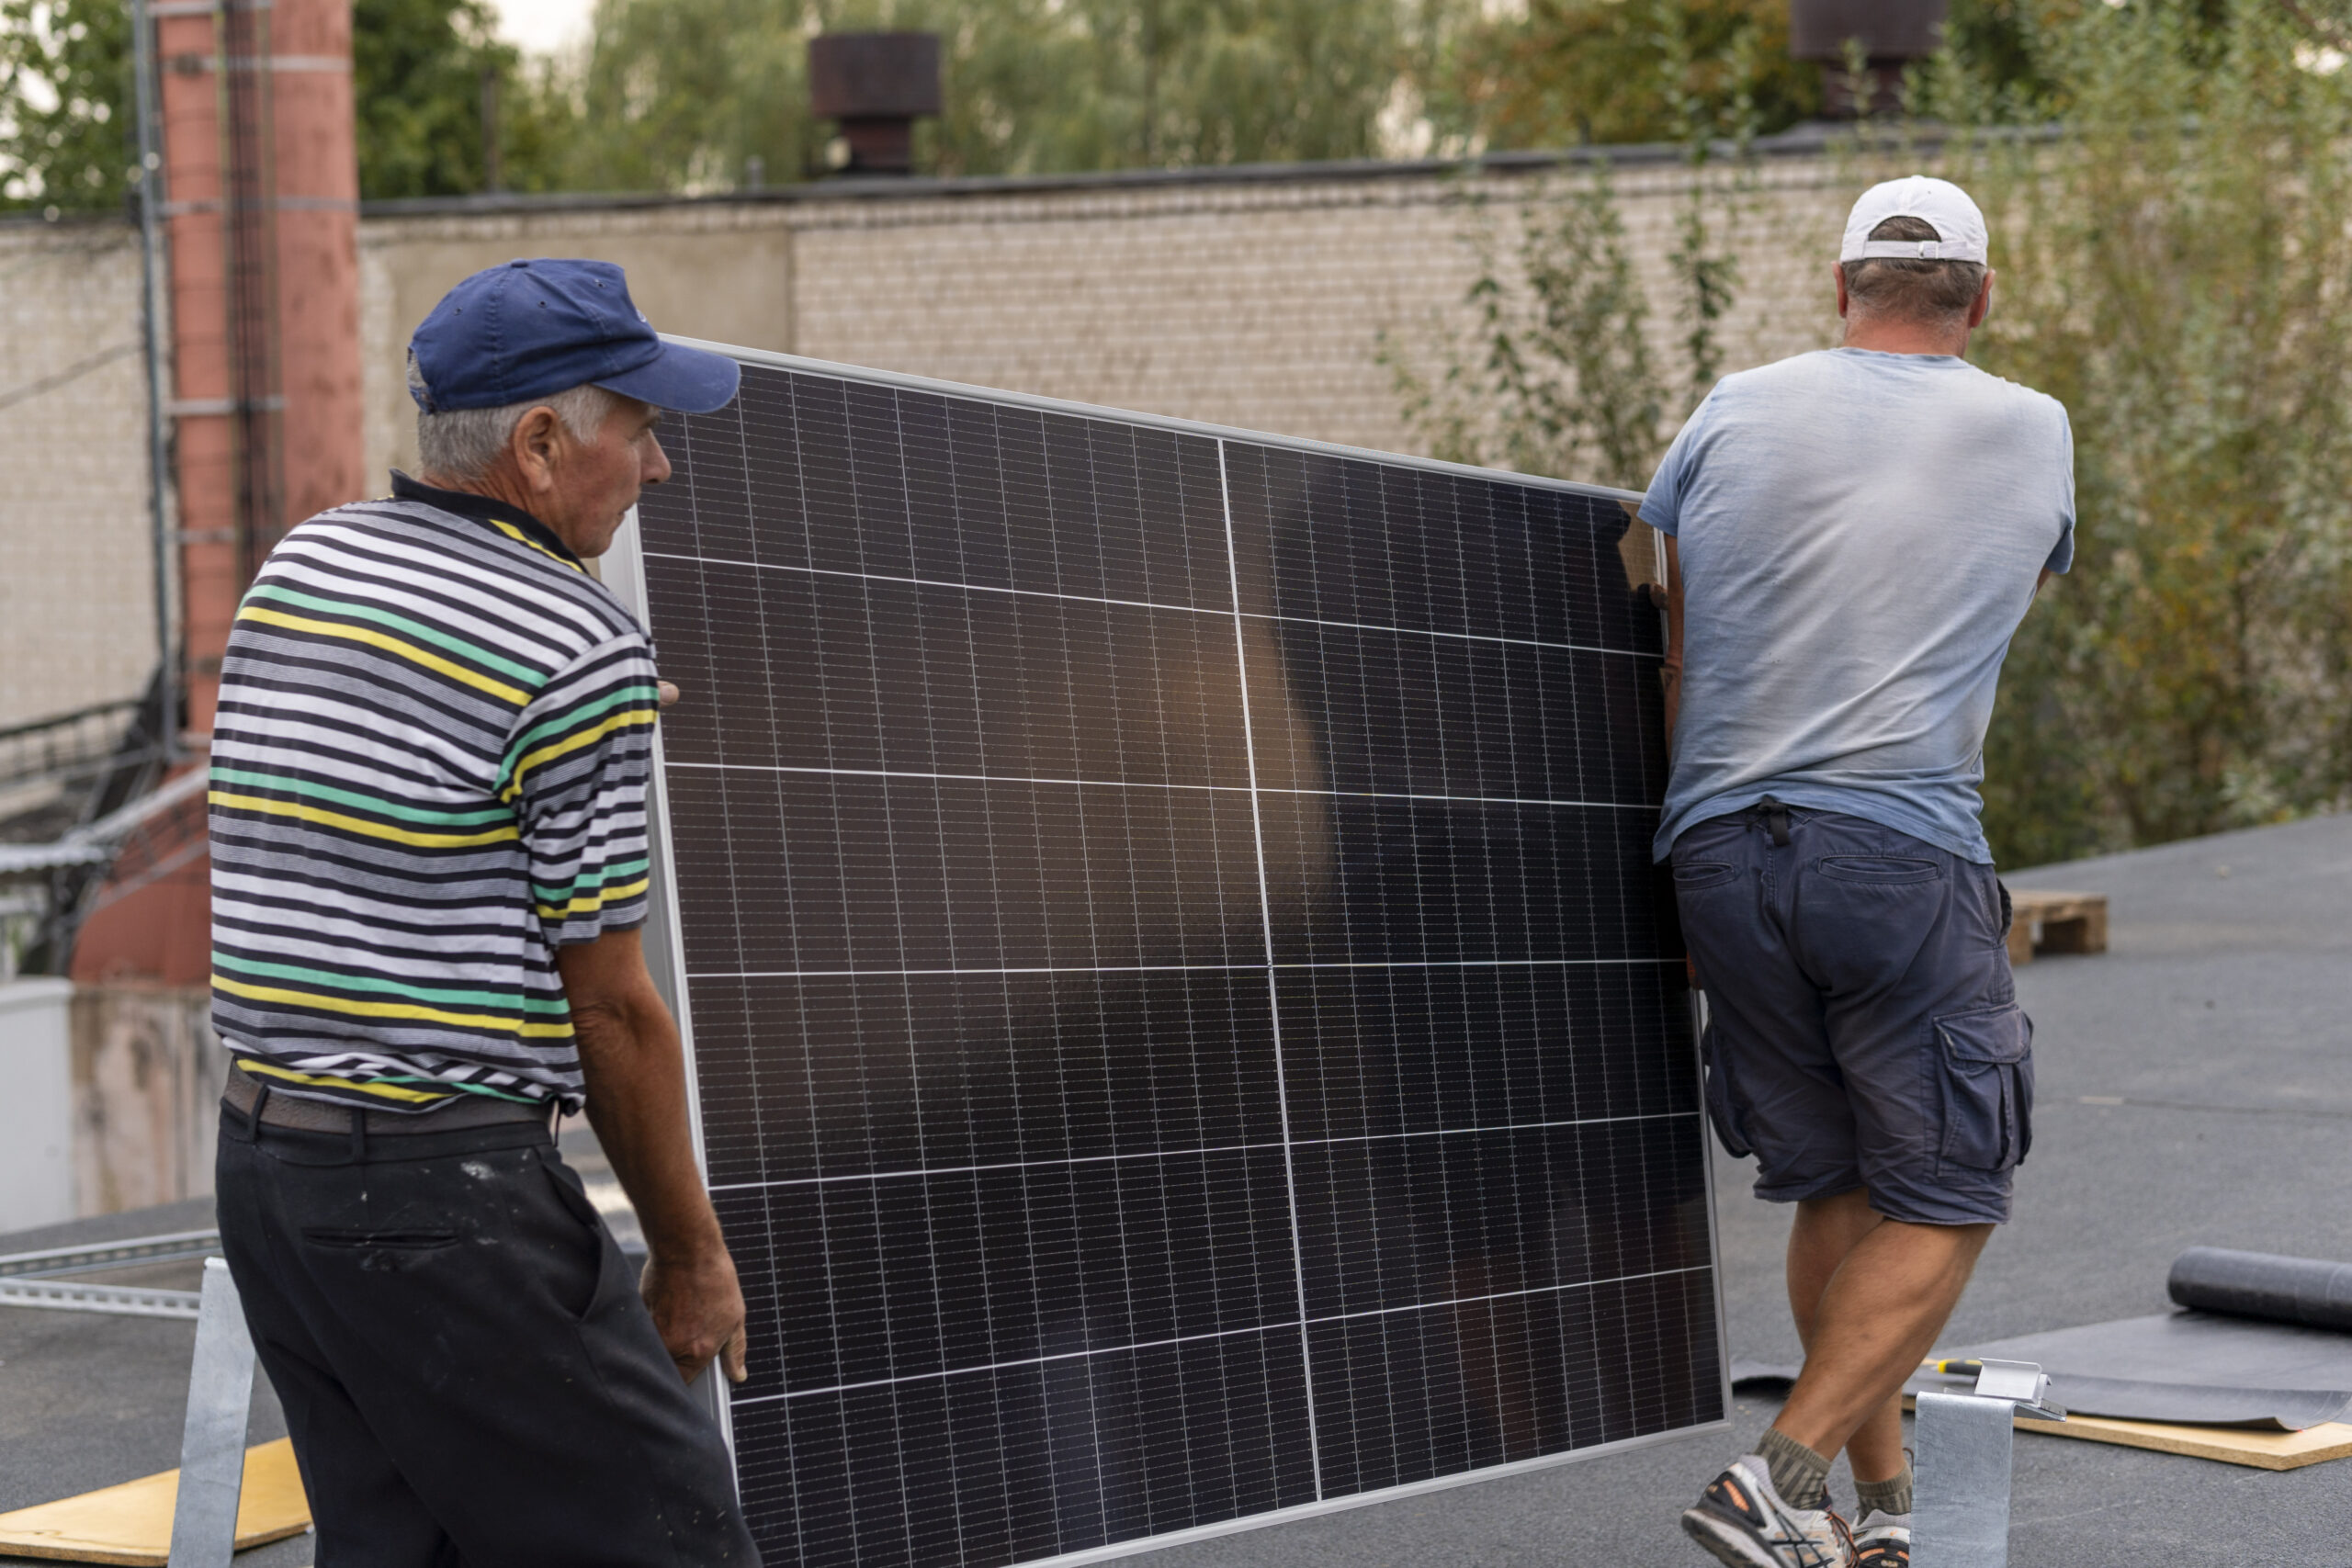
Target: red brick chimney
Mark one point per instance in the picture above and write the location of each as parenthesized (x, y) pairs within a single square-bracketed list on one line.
[(261, 186)]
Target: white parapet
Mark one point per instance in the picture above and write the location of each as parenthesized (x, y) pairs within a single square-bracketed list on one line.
[(37, 1110)]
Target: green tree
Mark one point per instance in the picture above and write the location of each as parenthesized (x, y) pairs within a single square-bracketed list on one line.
[(66, 105), (419, 69), (678, 94), (1577, 71), (66, 130)]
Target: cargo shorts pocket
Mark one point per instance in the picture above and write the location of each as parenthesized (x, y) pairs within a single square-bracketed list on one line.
[(1723, 1109), (1985, 1060)]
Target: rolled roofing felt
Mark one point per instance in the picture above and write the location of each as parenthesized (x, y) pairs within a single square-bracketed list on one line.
[(2307, 1291)]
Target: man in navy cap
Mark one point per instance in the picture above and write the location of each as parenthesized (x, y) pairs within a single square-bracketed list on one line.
[(429, 854)]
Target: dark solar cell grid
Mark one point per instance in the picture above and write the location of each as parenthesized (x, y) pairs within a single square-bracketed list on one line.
[(1184, 1021)]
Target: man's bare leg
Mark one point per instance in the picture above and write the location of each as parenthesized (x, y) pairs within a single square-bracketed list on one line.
[(1825, 1231), (1880, 1292)]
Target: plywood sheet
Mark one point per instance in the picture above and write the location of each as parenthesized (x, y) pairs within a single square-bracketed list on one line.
[(132, 1523), (2230, 1445), (2263, 1451)]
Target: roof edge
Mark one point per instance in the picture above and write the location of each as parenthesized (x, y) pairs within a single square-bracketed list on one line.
[(1805, 142)]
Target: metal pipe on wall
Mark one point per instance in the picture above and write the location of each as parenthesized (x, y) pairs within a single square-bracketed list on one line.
[(151, 330)]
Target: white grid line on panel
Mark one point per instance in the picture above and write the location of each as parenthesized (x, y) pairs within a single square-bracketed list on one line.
[(1302, 1325), (1218, 611), (1179, 968), (1086, 862), (1274, 1000), (1509, 1295), (1092, 1352), (808, 1062), (996, 885), (1155, 784), (910, 1173)]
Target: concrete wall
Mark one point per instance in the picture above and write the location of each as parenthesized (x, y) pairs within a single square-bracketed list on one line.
[(111, 1101), (148, 1072), (76, 609), (37, 1110)]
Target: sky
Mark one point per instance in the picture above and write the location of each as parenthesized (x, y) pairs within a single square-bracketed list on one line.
[(540, 26)]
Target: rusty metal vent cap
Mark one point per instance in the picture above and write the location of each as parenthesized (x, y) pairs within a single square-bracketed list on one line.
[(1890, 29), (873, 75)]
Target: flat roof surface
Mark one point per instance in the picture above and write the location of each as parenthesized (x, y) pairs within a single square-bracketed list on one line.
[(2195, 1087)]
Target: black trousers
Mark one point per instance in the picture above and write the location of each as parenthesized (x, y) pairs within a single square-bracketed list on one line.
[(468, 1374)]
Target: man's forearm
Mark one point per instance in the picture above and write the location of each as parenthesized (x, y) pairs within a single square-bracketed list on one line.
[(630, 1055), (635, 1065)]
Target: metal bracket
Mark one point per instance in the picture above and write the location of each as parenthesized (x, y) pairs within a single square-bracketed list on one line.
[(1959, 1515), (212, 1441)]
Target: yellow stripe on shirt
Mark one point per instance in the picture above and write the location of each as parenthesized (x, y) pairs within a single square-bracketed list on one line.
[(520, 538), (573, 742), (325, 818), (591, 902), (322, 1080), (561, 1031), (390, 644)]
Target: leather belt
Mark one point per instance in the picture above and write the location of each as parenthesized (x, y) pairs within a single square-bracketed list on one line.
[(301, 1115)]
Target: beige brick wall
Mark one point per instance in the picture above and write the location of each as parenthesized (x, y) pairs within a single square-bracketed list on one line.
[(1254, 306), (1257, 304), (76, 615)]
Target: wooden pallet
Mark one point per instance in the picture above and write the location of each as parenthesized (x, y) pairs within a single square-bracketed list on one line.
[(2055, 922)]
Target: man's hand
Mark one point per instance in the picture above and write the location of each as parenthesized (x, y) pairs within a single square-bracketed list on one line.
[(699, 1311), (668, 691), (636, 1102)]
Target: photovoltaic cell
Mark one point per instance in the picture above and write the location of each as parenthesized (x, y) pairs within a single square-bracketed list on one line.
[(1185, 1023)]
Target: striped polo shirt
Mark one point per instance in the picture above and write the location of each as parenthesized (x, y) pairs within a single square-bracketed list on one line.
[(428, 774)]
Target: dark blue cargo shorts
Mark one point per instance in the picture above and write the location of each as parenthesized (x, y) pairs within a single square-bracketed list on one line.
[(1863, 1028)]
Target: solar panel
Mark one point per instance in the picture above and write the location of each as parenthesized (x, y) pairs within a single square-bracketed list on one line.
[(1184, 1027)]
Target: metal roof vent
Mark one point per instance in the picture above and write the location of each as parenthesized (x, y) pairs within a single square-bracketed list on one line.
[(1893, 34), (874, 85)]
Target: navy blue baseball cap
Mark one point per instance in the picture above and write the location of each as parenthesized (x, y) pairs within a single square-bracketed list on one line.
[(531, 329)]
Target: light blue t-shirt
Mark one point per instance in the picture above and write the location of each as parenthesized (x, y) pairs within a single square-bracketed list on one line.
[(1859, 535)]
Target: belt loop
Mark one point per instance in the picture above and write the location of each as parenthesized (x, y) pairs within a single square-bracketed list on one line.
[(253, 1112), (1776, 821), (359, 1136)]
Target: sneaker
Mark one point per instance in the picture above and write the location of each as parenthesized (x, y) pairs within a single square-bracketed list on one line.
[(1743, 1522), (1883, 1540)]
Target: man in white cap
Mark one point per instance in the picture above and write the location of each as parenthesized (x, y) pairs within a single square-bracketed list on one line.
[(1853, 536)]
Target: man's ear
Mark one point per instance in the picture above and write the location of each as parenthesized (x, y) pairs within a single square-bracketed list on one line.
[(1837, 271), (535, 445), (1983, 306)]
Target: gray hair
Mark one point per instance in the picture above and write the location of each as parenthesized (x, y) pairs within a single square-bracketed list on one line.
[(1939, 292), (464, 444)]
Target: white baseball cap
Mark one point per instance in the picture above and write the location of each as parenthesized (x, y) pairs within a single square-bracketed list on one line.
[(1941, 204)]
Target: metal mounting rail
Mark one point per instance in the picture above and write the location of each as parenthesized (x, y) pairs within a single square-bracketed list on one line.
[(122, 1300), (91, 1258)]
